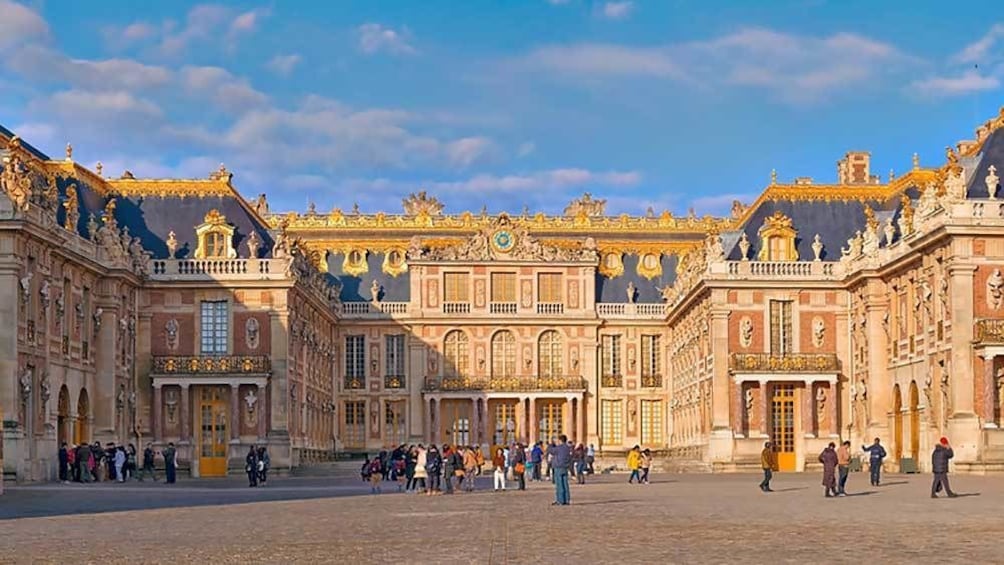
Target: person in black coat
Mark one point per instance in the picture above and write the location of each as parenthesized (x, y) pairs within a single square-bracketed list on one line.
[(251, 467), (939, 465), (64, 463)]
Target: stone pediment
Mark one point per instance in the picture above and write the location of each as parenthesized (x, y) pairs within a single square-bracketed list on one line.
[(502, 240)]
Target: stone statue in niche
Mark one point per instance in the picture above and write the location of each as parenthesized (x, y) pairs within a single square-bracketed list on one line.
[(172, 244), (745, 332), (575, 358), (25, 382), (929, 383), (253, 244), (250, 399), (375, 289), (375, 417), (749, 400), (631, 291), (252, 333), (995, 290), (993, 182), (171, 334), (25, 283), (820, 402), (171, 401), (818, 332), (44, 293)]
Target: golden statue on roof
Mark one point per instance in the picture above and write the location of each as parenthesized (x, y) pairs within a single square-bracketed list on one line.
[(586, 206), (422, 203)]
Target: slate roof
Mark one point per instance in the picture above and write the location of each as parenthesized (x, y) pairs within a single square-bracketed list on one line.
[(992, 153), (24, 144), (646, 290), (357, 288)]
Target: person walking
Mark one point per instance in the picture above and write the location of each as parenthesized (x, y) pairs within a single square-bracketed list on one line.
[(590, 458), (579, 458), (498, 463), (536, 460), (470, 468), (876, 453), (561, 457), (85, 462), (434, 467), (646, 464), (519, 466), (375, 475), (634, 464), (829, 460), (251, 467), (64, 464), (130, 465), (939, 465), (843, 467), (119, 462), (448, 469), (170, 463), (148, 464), (421, 474), (768, 462), (264, 462)]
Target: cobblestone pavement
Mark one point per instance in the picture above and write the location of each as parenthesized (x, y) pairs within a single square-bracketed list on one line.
[(676, 519)]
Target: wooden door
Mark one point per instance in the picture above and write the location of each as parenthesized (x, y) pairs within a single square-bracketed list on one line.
[(213, 439)]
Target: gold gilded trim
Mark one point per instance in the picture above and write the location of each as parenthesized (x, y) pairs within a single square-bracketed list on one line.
[(394, 263), (611, 264), (164, 188), (354, 263), (649, 265)]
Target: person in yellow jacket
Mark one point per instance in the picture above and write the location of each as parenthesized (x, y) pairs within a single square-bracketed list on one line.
[(768, 461), (634, 464)]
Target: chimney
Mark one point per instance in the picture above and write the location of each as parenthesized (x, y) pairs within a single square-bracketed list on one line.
[(854, 168)]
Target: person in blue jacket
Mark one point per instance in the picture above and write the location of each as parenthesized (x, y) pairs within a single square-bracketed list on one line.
[(876, 453)]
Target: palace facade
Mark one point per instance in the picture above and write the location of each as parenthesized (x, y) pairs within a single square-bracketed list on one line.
[(178, 311)]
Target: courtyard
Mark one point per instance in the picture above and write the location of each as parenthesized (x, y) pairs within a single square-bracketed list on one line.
[(675, 519)]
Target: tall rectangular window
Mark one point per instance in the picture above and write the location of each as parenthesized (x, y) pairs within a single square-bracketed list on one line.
[(651, 360), (456, 287), (611, 353), (355, 357), (67, 298), (355, 423), (214, 322), (549, 287), (611, 422), (395, 425), (651, 423), (780, 327), (394, 358), (503, 287)]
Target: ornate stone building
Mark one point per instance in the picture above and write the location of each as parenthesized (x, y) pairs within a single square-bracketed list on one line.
[(177, 311)]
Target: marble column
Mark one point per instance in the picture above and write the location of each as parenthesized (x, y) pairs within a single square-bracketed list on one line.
[(186, 414), (475, 422), (158, 422), (235, 413), (808, 419), (833, 408), (580, 421), (532, 430), (427, 419), (989, 392), (260, 406)]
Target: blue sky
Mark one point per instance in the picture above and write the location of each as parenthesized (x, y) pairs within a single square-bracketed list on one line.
[(503, 103)]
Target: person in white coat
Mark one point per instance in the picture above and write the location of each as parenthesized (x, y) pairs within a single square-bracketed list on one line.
[(420, 473)]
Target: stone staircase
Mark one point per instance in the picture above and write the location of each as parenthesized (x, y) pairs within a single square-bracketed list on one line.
[(341, 469)]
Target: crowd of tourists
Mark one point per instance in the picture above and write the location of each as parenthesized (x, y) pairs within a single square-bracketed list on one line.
[(118, 463), (256, 465), (448, 469), (837, 465)]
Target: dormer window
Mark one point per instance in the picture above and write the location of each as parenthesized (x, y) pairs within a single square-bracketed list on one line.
[(215, 237), (777, 239)]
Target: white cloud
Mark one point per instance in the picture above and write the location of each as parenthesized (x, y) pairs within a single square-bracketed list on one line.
[(108, 107), (223, 88), (525, 148), (967, 82), (598, 60), (283, 65), (617, 10), (980, 50), (204, 23), (45, 65), (19, 23), (464, 152), (375, 38)]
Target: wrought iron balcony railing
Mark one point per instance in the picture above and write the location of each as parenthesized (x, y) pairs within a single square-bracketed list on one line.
[(355, 383), (612, 381), (989, 331), (212, 365), (785, 363), (505, 384), (651, 381), (393, 381)]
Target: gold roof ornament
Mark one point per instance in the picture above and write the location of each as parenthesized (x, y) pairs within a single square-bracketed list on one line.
[(586, 206), (420, 203), (916, 161), (871, 221), (779, 227), (69, 152), (952, 165), (215, 218), (221, 174)]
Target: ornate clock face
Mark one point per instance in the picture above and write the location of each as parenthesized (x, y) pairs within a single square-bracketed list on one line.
[(503, 240)]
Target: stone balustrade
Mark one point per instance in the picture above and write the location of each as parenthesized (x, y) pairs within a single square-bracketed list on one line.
[(217, 269), (364, 310), (614, 310), (505, 384)]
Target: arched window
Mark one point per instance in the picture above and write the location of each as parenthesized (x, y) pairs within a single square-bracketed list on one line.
[(455, 349), (503, 354), (549, 354)]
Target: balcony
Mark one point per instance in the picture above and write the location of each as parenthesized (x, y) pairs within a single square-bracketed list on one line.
[(612, 381), (373, 310), (772, 270), (550, 308), (216, 269), (505, 384), (393, 382), (611, 310), (211, 365), (651, 381), (504, 308), (785, 363), (989, 332), (456, 308)]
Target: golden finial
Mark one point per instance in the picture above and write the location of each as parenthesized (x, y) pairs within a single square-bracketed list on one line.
[(98, 168), (773, 177), (69, 152), (916, 161)]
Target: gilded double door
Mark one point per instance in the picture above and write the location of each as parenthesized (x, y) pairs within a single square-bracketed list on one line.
[(213, 439)]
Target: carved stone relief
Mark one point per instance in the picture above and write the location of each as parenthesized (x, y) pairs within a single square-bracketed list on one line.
[(995, 290), (171, 334), (818, 332), (745, 332), (252, 333)]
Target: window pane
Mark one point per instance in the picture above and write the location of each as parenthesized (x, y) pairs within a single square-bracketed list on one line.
[(455, 287), (549, 287), (503, 287), (214, 323)]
